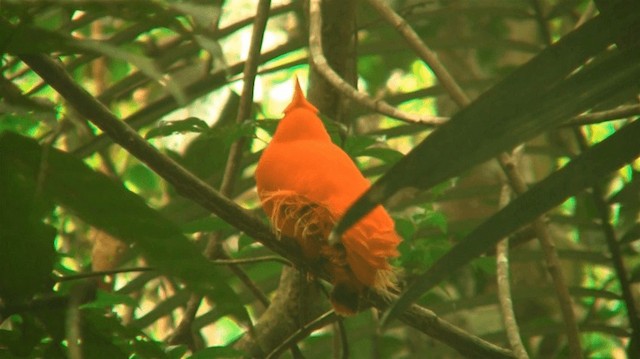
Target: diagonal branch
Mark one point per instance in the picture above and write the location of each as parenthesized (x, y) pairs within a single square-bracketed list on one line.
[(429, 323), (320, 322), (603, 116)]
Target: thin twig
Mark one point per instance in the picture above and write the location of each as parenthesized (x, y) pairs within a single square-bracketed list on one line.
[(543, 26), (101, 273), (73, 324), (429, 323), (246, 99), (603, 116), (231, 169), (424, 52), (319, 61), (253, 260), (515, 178), (320, 322), (504, 289), (199, 192), (552, 260)]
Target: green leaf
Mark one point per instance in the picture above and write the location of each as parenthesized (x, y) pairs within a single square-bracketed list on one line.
[(177, 352), (25, 335), (203, 14), (218, 352), (387, 155), (191, 124), (165, 307), (485, 265), (206, 224), (109, 299), (26, 243), (27, 39), (634, 277), (633, 234), (104, 203), (268, 125), (355, 145), (109, 338), (141, 177)]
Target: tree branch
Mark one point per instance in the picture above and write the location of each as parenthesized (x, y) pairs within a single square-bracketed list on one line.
[(504, 289), (319, 61), (423, 51), (429, 323), (603, 116), (551, 257), (320, 322)]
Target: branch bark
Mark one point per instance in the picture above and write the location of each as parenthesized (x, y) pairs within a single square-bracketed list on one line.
[(504, 289), (320, 63)]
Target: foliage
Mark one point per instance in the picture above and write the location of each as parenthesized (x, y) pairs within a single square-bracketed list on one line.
[(103, 251)]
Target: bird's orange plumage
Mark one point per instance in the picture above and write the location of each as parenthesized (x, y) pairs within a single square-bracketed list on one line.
[(305, 184)]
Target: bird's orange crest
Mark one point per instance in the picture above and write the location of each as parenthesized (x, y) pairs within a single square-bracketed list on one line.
[(299, 101)]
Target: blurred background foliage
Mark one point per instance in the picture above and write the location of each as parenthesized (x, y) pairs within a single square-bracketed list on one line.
[(74, 203)]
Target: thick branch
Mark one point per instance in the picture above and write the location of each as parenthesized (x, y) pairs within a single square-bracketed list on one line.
[(319, 61)]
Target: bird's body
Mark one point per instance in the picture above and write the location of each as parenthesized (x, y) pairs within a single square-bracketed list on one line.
[(305, 184)]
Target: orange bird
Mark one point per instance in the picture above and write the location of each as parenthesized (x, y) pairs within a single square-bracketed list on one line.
[(305, 184)]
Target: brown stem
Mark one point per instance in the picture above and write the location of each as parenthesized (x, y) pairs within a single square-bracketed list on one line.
[(504, 289), (320, 63), (603, 116), (320, 322)]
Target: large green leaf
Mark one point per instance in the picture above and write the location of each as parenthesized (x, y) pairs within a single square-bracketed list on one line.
[(26, 243), (584, 171), (104, 203)]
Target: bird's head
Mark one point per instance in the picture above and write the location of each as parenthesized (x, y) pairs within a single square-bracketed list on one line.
[(300, 121)]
